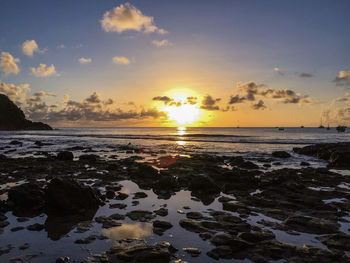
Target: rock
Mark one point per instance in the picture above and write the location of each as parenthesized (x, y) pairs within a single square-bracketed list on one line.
[(35, 227), (194, 215), (204, 184), (118, 205), (24, 246), (194, 252), (339, 241), (161, 211), (121, 196), (162, 224), (192, 226), (89, 158), (255, 237), (17, 228), (139, 253), (139, 195), (305, 164), (140, 215), (337, 154), (65, 156), (3, 158), (281, 154), (13, 118), (110, 194), (27, 196), (65, 195), (311, 225)]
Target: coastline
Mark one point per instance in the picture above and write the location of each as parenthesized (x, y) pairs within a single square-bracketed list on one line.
[(226, 206)]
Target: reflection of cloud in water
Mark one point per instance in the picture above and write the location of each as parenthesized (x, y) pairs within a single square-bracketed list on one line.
[(138, 230)]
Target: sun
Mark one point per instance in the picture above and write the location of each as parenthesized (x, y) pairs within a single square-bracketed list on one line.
[(184, 114), (180, 111)]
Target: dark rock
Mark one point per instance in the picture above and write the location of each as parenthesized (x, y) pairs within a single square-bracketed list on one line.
[(66, 195), (139, 195), (194, 215), (89, 157), (311, 225), (118, 205), (337, 154), (27, 196), (339, 241), (65, 156), (161, 211), (281, 154), (140, 215), (194, 252), (24, 246), (17, 228), (35, 227), (121, 196), (304, 164), (13, 118), (110, 194), (162, 224)]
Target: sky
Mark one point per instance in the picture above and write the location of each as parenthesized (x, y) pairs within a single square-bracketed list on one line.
[(177, 63)]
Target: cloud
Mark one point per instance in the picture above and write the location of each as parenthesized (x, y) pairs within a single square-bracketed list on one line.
[(84, 60), (305, 75), (128, 17), (44, 71), (286, 95), (343, 78), (162, 43), (8, 64), (209, 103), (191, 100), (250, 89), (29, 47), (94, 98), (259, 106), (121, 60), (236, 99), (276, 69), (16, 93), (345, 99), (164, 99), (61, 46)]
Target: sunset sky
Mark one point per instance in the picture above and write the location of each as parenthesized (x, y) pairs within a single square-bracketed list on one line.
[(177, 63)]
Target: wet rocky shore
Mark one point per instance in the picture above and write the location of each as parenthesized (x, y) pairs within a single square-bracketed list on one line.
[(261, 214)]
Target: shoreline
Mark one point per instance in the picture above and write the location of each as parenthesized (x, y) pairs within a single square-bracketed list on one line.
[(230, 208)]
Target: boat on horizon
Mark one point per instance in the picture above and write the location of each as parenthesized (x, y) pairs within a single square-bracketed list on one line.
[(341, 128)]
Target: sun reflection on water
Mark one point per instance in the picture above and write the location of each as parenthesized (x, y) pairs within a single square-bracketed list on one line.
[(181, 131)]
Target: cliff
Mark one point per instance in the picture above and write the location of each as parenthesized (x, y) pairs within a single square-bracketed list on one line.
[(13, 118)]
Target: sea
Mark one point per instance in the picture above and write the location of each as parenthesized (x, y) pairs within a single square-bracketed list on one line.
[(251, 143)]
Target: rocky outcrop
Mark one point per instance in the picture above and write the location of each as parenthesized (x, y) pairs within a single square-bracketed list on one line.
[(13, 118), (337, 154)]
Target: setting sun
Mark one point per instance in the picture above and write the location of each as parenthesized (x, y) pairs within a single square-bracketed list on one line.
[(184, 114)]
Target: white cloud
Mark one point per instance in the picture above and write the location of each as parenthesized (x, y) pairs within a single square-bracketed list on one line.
[(84, 60), (16, 93), (30, 46), (128, 17), (343, 78), (8, 64), (121, 60), (44, 71), (162, 43)]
